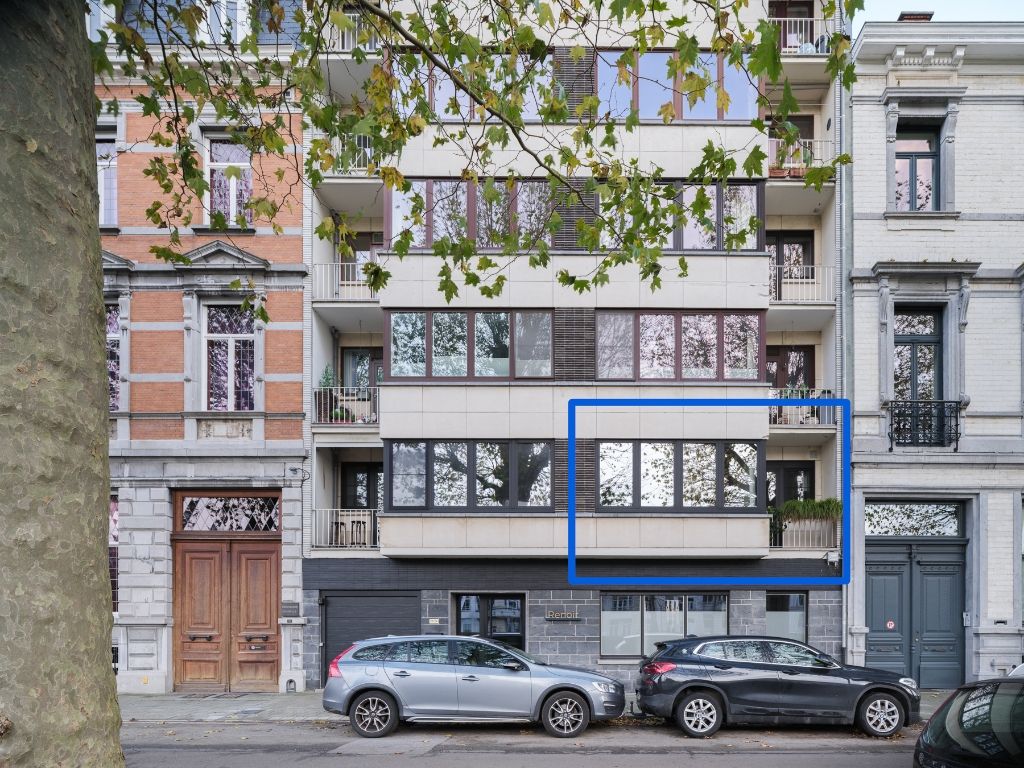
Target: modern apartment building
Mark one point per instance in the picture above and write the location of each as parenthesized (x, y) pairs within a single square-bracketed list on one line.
[(439, 491), (206, 424), (934, 353)]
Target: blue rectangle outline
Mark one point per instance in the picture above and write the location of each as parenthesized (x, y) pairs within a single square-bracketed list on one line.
[(643, 581)]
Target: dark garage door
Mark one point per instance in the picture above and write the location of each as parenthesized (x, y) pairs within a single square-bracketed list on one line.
[(350, 616)]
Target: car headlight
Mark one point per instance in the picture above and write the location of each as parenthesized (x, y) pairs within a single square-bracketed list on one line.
[(909, 682), (605, 687)]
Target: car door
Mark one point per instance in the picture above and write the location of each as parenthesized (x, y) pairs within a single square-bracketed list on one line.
[(489, 688), (808, 686), (743, 670), (424, 677)]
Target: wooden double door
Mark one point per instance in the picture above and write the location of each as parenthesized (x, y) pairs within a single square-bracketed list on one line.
[(226, 607)]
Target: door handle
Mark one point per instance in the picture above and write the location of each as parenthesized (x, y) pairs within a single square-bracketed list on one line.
[(471, 678), (723, 666), (207, 638), (250, 638), (403, 673)]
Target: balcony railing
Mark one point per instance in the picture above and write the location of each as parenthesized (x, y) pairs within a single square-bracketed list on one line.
[(344, 41), (924, 423), (793, 159), (342, 281), (346, 529), (359, 162), (801, 284), (804, 534), (352, 406), (804, 37), (801, 415)]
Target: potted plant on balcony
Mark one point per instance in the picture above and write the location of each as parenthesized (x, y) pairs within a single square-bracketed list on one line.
[(326, 395), (795, 510), (776, 170)]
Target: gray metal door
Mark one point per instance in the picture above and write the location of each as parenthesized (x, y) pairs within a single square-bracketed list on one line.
[(349, 616), (915, 604)]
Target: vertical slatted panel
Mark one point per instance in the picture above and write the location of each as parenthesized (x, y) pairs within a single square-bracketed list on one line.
[(572, 209), (585, 483), (577, 77), (574, 344)]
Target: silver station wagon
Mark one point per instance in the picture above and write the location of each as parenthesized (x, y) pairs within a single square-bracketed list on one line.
[(435, 678)]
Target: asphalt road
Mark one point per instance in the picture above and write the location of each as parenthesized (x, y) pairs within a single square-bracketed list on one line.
[(332, 743)]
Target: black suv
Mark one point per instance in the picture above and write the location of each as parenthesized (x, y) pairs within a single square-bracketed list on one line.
[(980, 724), (706, 682)]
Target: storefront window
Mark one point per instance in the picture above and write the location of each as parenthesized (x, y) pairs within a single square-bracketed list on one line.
[(787, 615), (631, 624)]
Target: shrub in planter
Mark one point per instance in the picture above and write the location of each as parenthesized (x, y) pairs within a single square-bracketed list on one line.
[(325, 396), (811, 509)]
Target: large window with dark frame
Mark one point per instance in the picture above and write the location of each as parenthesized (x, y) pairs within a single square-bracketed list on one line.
[(486, 213), (229, 358), (917, 170), (669, 345), (652, 85), (631, 623), (486, 345), (678, 475), (918, 414), (470, 475)]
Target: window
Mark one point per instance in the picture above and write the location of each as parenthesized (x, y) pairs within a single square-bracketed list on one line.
[(917, 518), (112, 540), (533, 206), (230, 178), (114, 355), (790, 367), (482, 475), (631, 624), (792, 259), (646, 342), (106, 177), (737, 650), (420, 652), (917, 414), (97, 17), (645, 475), (496, 616), (408, 474), (493, 214), (654, 84), (251, 512), (786, 616), (450, 210), (794, 655), (227, 21), (402, 217), (724, 212), (230, 344), (439, 342), (785, 481), (372, 653), (470, 654), (917, 169)]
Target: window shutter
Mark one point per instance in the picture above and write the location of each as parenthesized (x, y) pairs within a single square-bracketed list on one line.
[(582, 207), (586, 488), (576, 77), (574, 345)]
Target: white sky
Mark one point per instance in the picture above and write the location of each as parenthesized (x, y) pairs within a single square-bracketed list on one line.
[(945, 10)]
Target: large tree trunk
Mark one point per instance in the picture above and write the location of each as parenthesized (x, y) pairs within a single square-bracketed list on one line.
[(57, 698)]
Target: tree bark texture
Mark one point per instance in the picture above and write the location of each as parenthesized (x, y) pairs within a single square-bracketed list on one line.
[(56, 684)]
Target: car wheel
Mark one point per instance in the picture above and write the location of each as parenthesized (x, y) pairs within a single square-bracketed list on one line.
[(700, 714), (880, 715), (565, 715), (373, 714)]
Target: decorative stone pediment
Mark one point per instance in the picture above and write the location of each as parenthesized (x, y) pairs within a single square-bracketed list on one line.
[(221, 255), (112, 262)]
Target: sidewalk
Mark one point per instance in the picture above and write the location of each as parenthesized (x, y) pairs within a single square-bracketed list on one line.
[(282, 707)]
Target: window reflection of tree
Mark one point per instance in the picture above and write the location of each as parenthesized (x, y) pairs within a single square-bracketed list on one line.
[(911, 519), (615, 463)]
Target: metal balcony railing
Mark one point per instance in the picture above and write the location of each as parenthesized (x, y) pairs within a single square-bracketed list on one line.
[(346, 529), (801, 415), (804, 534), (342, 281), (794, 159), (804, 37), (924, 423), (354, 406), (360, 35), (801, 284), (359, 162)]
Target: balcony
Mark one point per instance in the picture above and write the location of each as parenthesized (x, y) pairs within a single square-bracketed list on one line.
[(346, 529), (924, 423), (804, 534), (801, 284), (793, 160), (344, 71), (341, 281), (801, 424), (804, 37), (361, 34), (358, 163), (346, 406)]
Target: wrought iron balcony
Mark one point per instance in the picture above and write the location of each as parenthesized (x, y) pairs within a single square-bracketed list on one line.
[(351, 406), (924, 423), (346, 529)]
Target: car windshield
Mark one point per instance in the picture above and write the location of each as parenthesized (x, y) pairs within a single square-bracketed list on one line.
[(518, 652), (983, 721)]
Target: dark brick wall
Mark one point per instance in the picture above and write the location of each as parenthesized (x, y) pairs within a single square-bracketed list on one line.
[(585, 484), (574, 345)]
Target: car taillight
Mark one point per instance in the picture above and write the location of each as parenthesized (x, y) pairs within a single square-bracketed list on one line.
[(657, 667), (333, 670)]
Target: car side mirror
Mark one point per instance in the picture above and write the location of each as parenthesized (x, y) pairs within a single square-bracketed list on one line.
[(513, 666)]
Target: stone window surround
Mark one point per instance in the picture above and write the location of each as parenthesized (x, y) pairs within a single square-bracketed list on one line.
[(940, 106), (902, 283)]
